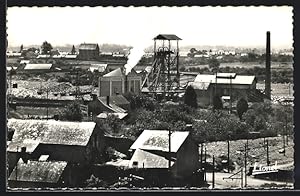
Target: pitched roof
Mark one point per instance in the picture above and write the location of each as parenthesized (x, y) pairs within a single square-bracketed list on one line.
[(112, 107), (118, 115), (38, 171), (37, 66), (167, 37), (51, 131), (146, 159), (88, 46), (30, 145), (115, 73), (116, 99), (159, 140), (224, 79)]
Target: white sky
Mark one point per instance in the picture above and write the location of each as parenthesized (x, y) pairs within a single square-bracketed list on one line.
[(231, 26)]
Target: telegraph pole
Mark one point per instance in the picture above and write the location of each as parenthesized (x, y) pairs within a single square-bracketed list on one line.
[(228, 165), (169, 150), (268, 162), (213, 172), (246, 165)]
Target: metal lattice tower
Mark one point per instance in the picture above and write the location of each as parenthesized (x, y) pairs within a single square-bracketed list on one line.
[(164, 75)]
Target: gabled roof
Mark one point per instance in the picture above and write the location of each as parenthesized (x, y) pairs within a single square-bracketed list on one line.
[(159, 140), (37, 66), (51, 131), (38, 171), (167, 37), (88, 46), (115, 73), (146, 159)]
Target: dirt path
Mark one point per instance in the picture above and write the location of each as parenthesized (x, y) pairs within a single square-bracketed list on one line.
[(222, 183)]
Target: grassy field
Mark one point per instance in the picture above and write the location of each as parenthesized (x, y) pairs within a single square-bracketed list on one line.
[(257, 151), (274, 65)]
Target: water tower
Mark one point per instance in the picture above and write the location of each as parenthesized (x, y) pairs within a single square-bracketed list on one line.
[(164, 76)]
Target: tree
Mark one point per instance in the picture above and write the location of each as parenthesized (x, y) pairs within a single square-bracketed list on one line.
[(73, 50), (46, 47), (21, 48), (193, 50), (214, 64), (72, 112), (190, 97), (241, 107), (217, 103)]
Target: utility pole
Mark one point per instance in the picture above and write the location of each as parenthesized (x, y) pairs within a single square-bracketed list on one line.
[(47, 91), (230, 94), (246, 165), (205, 163), (268, 162), (201, 155), (228, 165), (169, 150), (286, 132), (283, 144), (213, 172)]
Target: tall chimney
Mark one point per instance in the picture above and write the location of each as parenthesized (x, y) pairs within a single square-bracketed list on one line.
[(268, 67)]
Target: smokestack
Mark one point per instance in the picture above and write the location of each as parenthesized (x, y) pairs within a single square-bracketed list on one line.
[(268, 67), (107, 100)]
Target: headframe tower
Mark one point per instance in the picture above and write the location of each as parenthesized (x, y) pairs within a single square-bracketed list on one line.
[(164, 76)]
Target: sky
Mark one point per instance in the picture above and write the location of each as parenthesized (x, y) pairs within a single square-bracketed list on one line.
[(228, 26)]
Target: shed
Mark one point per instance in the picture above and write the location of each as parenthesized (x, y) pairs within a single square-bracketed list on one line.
[(75, 142), (151, 150)]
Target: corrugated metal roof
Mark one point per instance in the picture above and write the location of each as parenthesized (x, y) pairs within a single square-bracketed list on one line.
[(167, 37), (146, 159), (51, 131), (239, 79), (38, 171), (37, 66), (159, 140), (88, 46)]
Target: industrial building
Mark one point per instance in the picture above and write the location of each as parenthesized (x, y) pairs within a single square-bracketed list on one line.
[(227, 85), (118, 83), (88, 51)]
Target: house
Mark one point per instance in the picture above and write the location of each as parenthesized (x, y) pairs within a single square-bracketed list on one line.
[(225, 84), (109, 104), (35, 174), (88, 51), (74, 142), (151, 151), (118, 83)]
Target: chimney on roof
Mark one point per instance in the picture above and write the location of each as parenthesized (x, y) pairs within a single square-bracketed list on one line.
[(107, 100), (23, 154), (268, 67)]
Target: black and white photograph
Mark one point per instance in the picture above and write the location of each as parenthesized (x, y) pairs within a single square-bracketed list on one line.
[(150, 98)]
